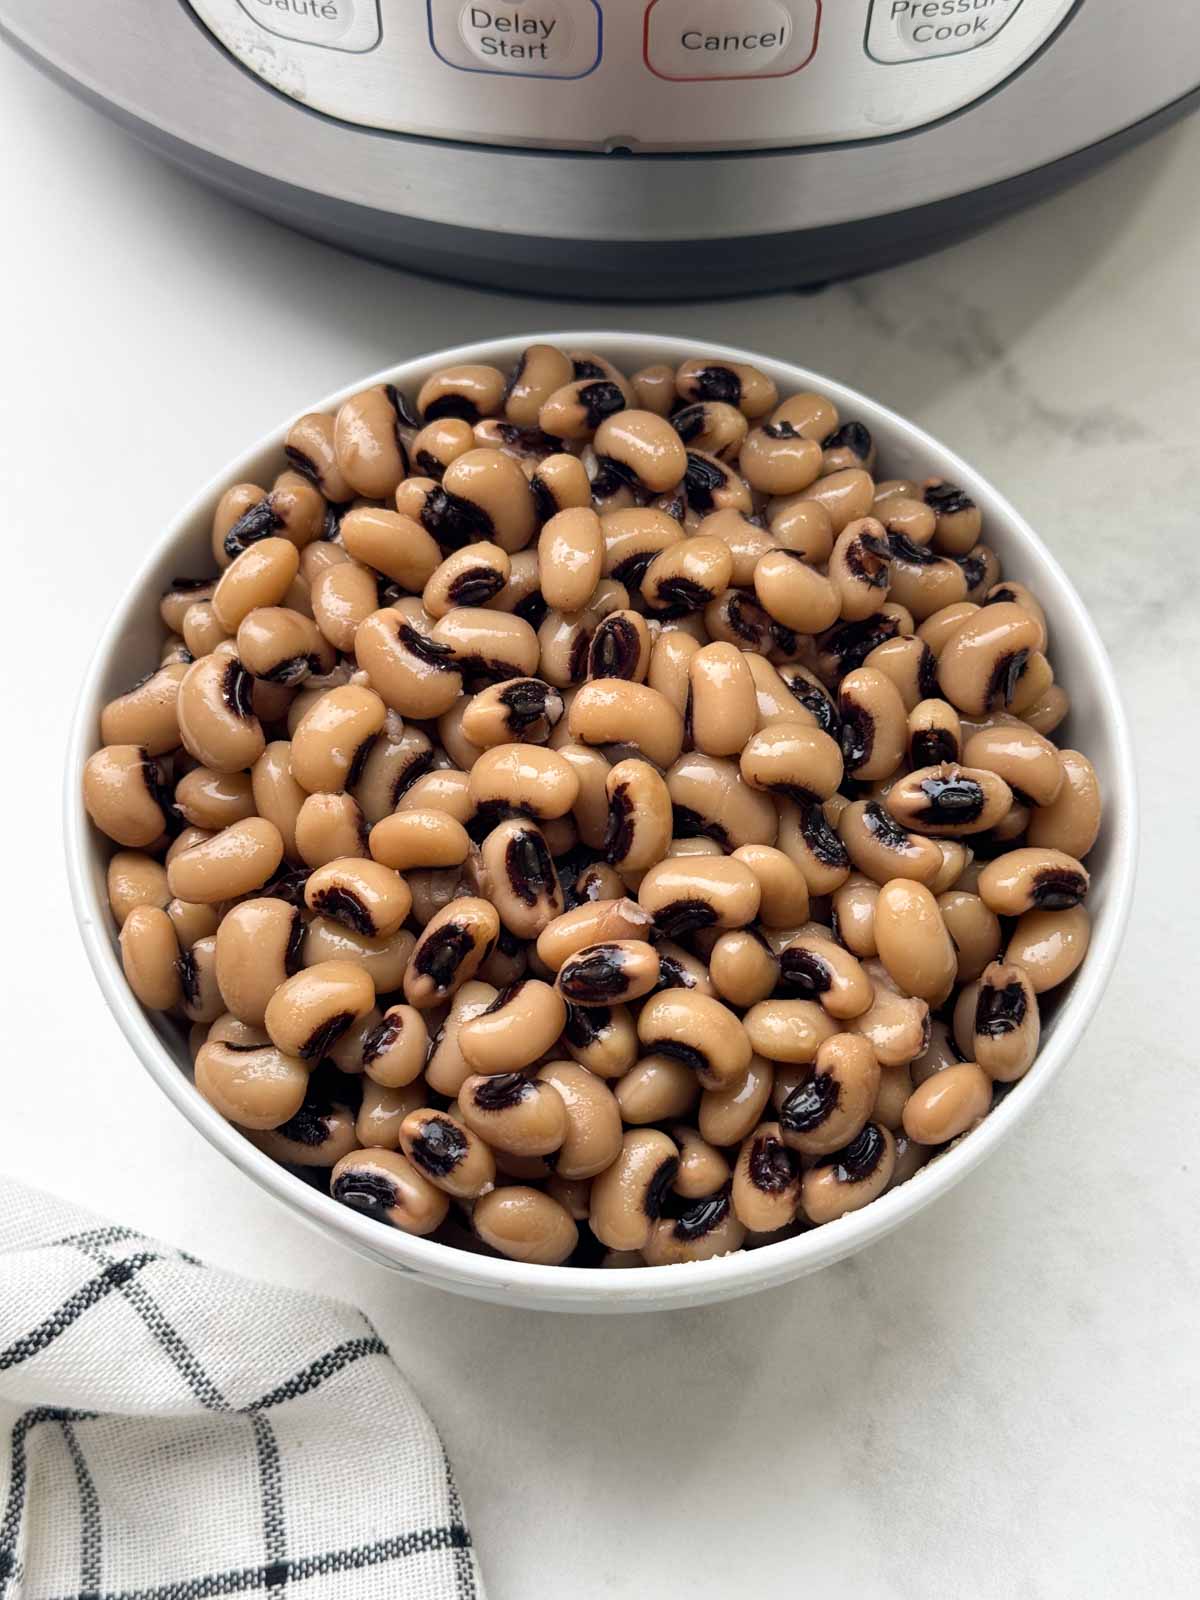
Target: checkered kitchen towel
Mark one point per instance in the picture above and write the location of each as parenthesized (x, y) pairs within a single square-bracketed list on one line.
[(170, 1432)]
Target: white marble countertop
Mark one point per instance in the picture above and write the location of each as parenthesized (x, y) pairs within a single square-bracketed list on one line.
[(999, 1399)]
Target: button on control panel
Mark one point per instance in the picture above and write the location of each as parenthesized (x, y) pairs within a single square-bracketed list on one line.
[(915, 30), (694, 41), (350, 25), (530, 39)]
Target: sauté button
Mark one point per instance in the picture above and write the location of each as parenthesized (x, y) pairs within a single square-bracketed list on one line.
[(695, 40), (351, 25), (525, 38), (916, 30)]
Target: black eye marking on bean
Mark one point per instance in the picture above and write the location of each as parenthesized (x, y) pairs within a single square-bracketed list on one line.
[(429, 466), (416, 767), (304, 464), (439, 1147), (702, 480), (661, 1180), (599, 400), (702, 1217), (586, 1024), (577, 659), (189, 977), (1058, 889), (682, 917), (868, 558), (931, 747), (459, 407), (399, 404), (884, 828), (359, 760), (811, 1103), (441, 955), (673, 505), (544, 503), (453, 521), (676, 596), (632, 569), (525, 702), (857, 734), (619, 829), (517, 373), (502, 1092), (381, 1039), (159, 791), (432, 651), (1000, 1011), (852, 436), (820, 838), (287, 886), (189, 586), (528, 867), (688, 1054), (331, 522), (947, 499), (781, 430), (857, 1160), (597, 974), (292, 669), (772, 1166), (260, 522), (533, 609), (747, 619), (476, 586), (806, 971), (850, 643), (784, 638), (927, 678), (527, 441), (344, 907), (368, 1192), (689, 421), (718, 383), (816, 702), (952, 799), (917, 555), (610, 479), (615, 649), (1006, 674), (689, 824), (328, 1033), (587, 369), (311, 1125), (974, 569), (237, 688)]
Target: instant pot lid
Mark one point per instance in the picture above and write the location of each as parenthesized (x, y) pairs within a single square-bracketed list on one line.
[(493, 214)]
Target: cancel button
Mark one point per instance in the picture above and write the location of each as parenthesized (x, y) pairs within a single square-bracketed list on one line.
[(693, 39)]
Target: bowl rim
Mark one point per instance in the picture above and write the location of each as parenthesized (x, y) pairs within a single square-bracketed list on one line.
[(586, 1288)]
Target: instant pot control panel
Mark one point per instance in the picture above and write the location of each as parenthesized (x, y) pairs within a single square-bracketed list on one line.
[(642, 74)]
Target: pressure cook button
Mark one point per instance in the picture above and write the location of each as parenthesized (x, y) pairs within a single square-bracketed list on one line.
[(528, 38), (915, 30), (351, 25), (691, 41)]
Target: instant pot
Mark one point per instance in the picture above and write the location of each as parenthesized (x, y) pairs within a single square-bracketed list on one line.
[(628, 148)]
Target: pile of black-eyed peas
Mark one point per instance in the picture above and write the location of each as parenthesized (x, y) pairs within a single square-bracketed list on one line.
[(592, 817)]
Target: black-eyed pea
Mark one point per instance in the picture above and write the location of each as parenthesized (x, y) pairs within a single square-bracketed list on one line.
[(910, 665), (200, 995), (795, 593), (710, 798), (229, 1030), (914, 944), (747, 542), (201, 629), (922, 580), (176, 601), (449, 1155), (570, 558), (860, 568), (234, 862), (244, 513), (470, 576), (937, 631), (539, 371), (806, 698), (596, 922), (514, 1113), (766, 1180), (815, 967), (135, 879), (848, 445), (408, 839), (713, 426), (361, 894), (702, 1168), (468, 391), (329, 827), (590, 810), (981, 664), (727, 1115), (847, 495), (382, 1111), (333, 738), (792, 759), (1028, 763), (614, 711), (627, 1197), (515, 1030), (981, 568), (956, 857), (217, 724), (896, 1026), (450, 949), (724, 705), (447, 1069), (525, 1224), (621, 647), (321, 1132), (1050, 945), (577, 409), (258, 946), (185, 840), (705, 1229), (698, 1031), (526, 778), (895, 1087), (633, 537), (254, 1086), (574, 1195), (941, 1052), (882, 849), (281, 647), (848, 644), (640, 819), (486, 492), (874, 724), (557, 483), (311, 448), (802, 525), (949, 800), (849, 1178), (564, 642), (1033, 879), (710, 484), (783, 892), (150, 957), (514, 711), (958, 517), (385, 1186), (654, 388), (687, 576), (902, 510), (949, 1104), (743, 967), (414, 673), (935, 735), (445, 789), (807, 839), (611, 973), (643, 448), (394, 1048), (734, 383), (311, 1010), (974, 930), (1003, 1023), (788, 1031), (854, 904), (192, 922), (214, 800), (260, 576), (683, 894), (778, 460), (1049, 709), (367, 441), (147, 714), (487, 646), (592, 1140), (439, 443), (601, 1038), (1071, 821)]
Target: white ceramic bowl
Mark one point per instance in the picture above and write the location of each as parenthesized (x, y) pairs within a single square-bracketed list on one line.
[(130, 646)]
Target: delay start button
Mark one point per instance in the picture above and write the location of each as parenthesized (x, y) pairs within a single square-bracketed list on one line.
[(694, 41), (916, 30), (524, 38)]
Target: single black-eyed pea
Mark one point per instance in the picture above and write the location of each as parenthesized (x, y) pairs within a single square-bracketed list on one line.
[(468, 391), (974, 930), (201, 629), (766, 1180), (361, 894), (383, 960), (234, 862), (1028, 763), (1071, 821), (150, 957), (654, 388), (601, 1038), (328, 827), (734, 383), (683, 894), (614, 711), (564, 642), (815, 967), (516, 710), (577, 409), (217, 724), (1049, 945), (333, 738), (935, 736), (446, 1069), (382, 1111), (792, 759), (805, 698), (312, 1009), (956, 857), (394, 1050), (444, 789), (705, 1229), (254, 1086), (949, 800), (621, 647), (727, 1115), (941, 1052), (438, 443), (860, 568), (710, 797), (922, 580), (147, 714), (936, 631), (260, 576), (557, 483), (413, 673), (258, 946), (949, 1104), (244, 513), (874, 724), (633, 537), (592, 1140), (895, 1087), (981, 664), (794, 593), (367, 443), (320, 1133), (311, 448), (698, 1031), (596, 922), (777, 459), (910, 665), (125, 796), (687, 576), (1004, 1022), (214, 800), (802, 525), (848, 644), (854, 904), (185, 840), (408, 839), (713, 426), (702, 1169), (627, 1197), (783, 891), (279, 646), (135, 879), (882, 849), (747, 542), (1033, 879), (896, 1026), (184, 593), (1048, 710), (487, 646), (525, 1224), (847, 495), (570, 558), (958, 517), (385, 1186), (520, 1115), (640, 819), (743, 967), (914, 944), (517, 1028), (981, 568), (526, 778), (710, 484), (200, 996), (848, 445), (807, 839), (898, 505), (724, 704), (789, 1031), (448, 1154), (539, 371), (470, 576), (450, 949), (574, 1195), (849, 1178), (641, 447), (590, 810), (609, 973)]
